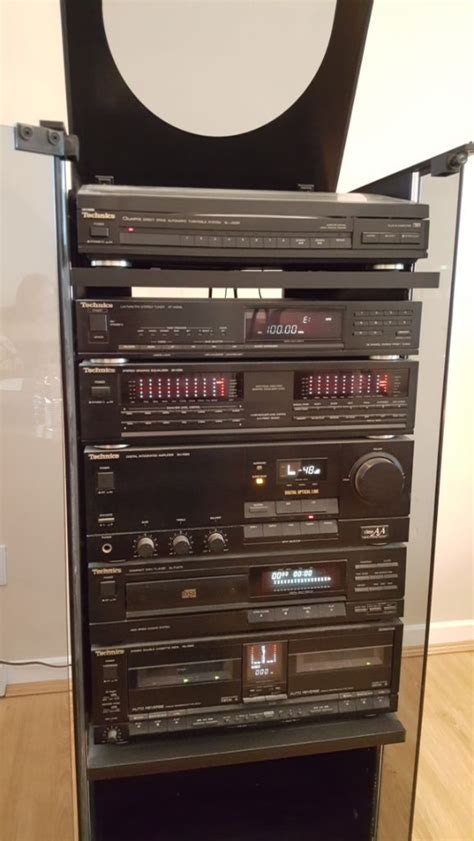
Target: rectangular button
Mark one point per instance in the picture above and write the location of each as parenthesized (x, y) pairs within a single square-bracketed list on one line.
[(370, 237), (309, 528), (320, 242), (253, 532), (340, 242), (381, 702), (99, 231), (290, 506), (347, 706), (364, 704), (326, 611), (228, 242), (265, 614), (215, 242), (98, 322), (283, 242), (186, 240), (243, 242), (299, 242), (100, 392), (269, 242), (256, 242), (259, 509), (201, 241), (110, 671), (106, 481), (412, 237), (157, 725), (291, 529), (272, 530), (328, 527), (138, 728), (388, 237), (320, 506), (108, 589)]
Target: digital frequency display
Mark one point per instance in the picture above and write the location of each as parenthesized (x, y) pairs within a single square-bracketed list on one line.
[(180, 388), (304, 468), (312, 579), (286, 325), (351, 383), (264, 663)]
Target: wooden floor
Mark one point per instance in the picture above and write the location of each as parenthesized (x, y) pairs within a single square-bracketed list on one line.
[(36, 792)]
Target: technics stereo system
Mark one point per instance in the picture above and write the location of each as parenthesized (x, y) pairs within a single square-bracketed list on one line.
[(245, 464)]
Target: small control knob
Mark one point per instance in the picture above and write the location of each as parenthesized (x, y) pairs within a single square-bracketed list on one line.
[(145, 547), (378, 478), (112, 735), (216, 542), (181, 545)]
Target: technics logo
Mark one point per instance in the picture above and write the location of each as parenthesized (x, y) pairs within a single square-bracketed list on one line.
[(99, 370), (374, 532), (87, 305), (107, 571), (111, 652), (97, 215), (102, 456)]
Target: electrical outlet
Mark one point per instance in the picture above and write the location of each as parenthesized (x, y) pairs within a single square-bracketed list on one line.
[(3, 566)]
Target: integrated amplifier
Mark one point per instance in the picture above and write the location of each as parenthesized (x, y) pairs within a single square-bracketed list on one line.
[(240, 681), (144, 602), (245, 328), (249, 227), (230, 499), (260, 398)]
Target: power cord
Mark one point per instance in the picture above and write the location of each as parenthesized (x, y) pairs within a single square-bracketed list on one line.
[(32, 663)]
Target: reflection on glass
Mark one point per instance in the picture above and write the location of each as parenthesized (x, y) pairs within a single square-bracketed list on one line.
[(182, 674)]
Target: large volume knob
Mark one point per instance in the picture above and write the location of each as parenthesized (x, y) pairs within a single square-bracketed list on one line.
[(145, 547), (216, 542), (378, 478), (181, 545)]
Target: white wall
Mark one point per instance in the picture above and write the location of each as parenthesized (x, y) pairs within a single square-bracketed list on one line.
[(414, 100)]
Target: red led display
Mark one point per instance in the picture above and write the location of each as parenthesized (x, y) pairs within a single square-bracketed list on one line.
[(180, 388)]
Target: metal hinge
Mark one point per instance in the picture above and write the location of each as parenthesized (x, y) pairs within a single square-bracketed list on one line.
[(49, 138), (450, 162)]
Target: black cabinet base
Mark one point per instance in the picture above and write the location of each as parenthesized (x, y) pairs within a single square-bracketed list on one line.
[(316, 798)]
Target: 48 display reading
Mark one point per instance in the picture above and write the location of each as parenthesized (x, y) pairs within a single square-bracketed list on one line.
[(180, 388)]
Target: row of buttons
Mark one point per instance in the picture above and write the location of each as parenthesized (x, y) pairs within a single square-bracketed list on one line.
[(375, 608), (291, 712), (372, 418), (290, 506), (295, 614), (379, 237), (380, 333), (399, 322), (188, 241), (310, 528), (371, 313), (325, 403), (186, 411), (191, 422)]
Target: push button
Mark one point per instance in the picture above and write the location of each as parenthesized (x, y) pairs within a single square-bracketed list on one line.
[(328, 527), (98, 322), (291, 506), (253, 532), (309, 529), (110, 671), (272, 530), (106, 481), (259, 509), (291, 529), (100, 392), (108, 589), (99, 231)]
